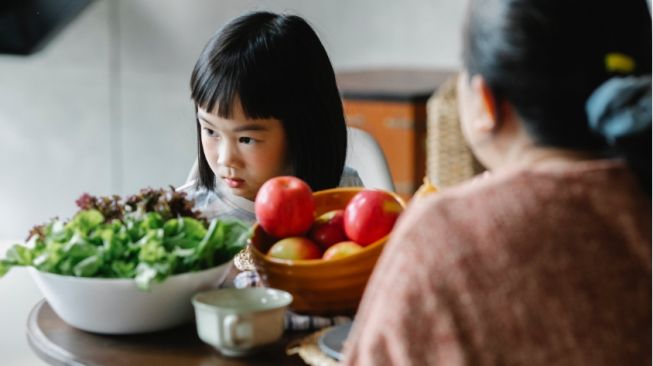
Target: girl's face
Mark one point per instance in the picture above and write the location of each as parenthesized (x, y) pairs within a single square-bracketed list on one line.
[(242, 152)]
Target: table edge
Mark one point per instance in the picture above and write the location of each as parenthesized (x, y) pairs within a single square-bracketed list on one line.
[(42, 347)]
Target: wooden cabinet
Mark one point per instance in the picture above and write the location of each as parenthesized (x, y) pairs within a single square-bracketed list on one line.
[(391, 106)]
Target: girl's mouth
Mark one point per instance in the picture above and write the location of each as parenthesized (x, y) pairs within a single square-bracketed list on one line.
[(234, 182)]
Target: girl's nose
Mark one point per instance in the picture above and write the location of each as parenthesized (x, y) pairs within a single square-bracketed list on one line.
[(227, 155)]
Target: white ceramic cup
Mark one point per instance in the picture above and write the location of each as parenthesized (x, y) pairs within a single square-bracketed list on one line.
[(239, 321)]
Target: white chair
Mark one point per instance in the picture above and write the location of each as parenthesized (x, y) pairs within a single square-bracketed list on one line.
[(363, 154)]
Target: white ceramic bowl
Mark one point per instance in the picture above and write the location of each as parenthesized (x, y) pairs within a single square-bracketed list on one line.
[(117, 306)]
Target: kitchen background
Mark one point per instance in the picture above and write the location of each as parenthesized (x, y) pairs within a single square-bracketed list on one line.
[(104, 107)]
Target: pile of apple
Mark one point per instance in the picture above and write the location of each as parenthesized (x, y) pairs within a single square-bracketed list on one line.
[(285, 209)]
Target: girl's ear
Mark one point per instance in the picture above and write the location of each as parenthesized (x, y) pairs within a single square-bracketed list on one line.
[(488, 120)]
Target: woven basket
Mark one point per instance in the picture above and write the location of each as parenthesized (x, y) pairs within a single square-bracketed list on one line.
[(448, 159)]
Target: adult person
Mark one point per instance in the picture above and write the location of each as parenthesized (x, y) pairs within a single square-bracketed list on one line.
[(547, 260)]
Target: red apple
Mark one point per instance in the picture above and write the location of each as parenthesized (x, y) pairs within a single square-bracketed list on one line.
[(294, 248), (370, 215), (329, 229), (284, 207), (341, 250)]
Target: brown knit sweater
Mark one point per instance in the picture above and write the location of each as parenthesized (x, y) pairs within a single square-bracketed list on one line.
[(541, 267)]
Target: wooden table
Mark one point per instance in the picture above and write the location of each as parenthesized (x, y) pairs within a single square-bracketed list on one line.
[(58, 343)]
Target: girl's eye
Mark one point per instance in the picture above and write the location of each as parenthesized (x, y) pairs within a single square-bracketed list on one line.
[(209, 132), (246, 140)]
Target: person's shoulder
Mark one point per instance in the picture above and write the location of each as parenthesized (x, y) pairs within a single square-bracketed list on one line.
[(215, 204), (455, 213), (478, 209), (473, 190), (192, 190), (202, 197), (188, 187)]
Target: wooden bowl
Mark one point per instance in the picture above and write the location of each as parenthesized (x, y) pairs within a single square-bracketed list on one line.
[(320, 287)]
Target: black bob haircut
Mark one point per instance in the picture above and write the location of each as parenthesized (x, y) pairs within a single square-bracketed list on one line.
[(277, 67)]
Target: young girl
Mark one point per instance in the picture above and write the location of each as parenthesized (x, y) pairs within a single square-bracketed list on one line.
[(267, 104)]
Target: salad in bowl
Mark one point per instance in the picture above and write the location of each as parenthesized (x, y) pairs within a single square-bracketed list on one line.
[(128, 265)]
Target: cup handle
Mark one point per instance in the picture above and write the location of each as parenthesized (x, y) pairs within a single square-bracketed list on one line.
[(231, 323)]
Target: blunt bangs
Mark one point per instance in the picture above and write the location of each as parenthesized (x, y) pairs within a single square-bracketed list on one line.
[(214, 87)]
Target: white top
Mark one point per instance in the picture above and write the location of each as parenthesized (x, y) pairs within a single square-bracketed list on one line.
[(221, 203)]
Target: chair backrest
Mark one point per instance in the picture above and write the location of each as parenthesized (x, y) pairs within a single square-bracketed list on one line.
[(363, 154), (449, 160)]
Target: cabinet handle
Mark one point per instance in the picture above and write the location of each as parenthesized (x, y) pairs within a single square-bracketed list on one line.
[(402, 123), (356, 120)]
